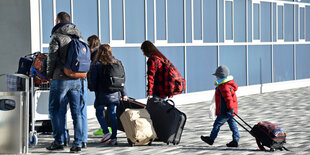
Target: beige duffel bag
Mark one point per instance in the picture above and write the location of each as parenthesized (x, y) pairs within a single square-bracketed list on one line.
[(138, 127)]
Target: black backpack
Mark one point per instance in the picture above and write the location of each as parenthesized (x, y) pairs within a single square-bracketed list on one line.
[(114, 77)]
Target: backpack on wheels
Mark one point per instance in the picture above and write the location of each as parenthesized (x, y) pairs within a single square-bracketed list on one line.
[(266, 134)]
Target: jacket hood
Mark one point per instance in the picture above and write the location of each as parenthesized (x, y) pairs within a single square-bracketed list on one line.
[(67, 28), (233, 84)]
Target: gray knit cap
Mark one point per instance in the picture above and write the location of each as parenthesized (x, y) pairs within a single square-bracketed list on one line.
[(221, 72)]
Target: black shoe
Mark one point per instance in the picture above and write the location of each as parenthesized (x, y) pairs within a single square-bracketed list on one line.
[(54, 147), (232, 144), (75, 149), (66, 143), (207, 139), (84, 145)]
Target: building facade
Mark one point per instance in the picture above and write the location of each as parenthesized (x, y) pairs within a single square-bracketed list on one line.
[(261, 41)]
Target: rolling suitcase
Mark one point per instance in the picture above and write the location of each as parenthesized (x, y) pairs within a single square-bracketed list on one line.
[(130, 103), (266, 134), (168, 121), (138, 127)]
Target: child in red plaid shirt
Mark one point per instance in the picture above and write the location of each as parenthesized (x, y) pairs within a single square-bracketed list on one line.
[(155, 70)]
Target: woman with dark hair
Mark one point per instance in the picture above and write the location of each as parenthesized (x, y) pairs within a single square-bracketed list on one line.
[(104, 97), (93, 43), (155, 70)]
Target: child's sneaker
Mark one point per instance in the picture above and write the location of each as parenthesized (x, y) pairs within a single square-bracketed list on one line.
[(106, 137), (98, 132), (112, 142), (207, 139)]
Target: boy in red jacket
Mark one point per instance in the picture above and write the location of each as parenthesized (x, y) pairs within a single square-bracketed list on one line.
[(226, 106)]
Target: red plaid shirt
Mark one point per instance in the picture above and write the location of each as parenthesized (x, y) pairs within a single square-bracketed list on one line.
[(156, 77)]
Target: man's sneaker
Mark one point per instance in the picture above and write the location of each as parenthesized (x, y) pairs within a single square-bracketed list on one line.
[(232, 144), (75, 149), (55, 147), (98, 132), (106, 137), (207, 139), (112, 142), (84, 145)]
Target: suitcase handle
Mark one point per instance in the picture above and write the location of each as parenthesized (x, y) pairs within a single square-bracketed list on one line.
[(241, 124), (169, 100)]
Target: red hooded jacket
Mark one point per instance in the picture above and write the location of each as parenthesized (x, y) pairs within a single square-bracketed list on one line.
[(228, 90)]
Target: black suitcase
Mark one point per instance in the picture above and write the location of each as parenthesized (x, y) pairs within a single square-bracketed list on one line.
[(266, 134), (168, 121), (131, 103)]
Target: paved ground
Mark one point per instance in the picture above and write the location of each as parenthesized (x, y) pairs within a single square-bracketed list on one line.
[(290, 109)]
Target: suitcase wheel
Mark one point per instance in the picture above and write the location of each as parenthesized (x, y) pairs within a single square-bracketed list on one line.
[(33, 139), (150, 143), (129, 142)]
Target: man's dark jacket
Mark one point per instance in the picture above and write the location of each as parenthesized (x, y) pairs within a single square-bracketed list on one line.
[(58, 49)]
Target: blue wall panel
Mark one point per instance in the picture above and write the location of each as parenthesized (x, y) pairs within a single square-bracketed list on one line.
[(234, 58), (302, 61), (249, 21), (197, 20), (209, 22), (307, 23), (134, 64), (175, 21), (257, 54), (201, 64), (104, 18), (188, 21), (289, 22), (280, 22), (239, 21), (47, 20), (221, 20), (265, 22), (150, 20), (256, 21), (229, 20), (85, 17), (302, 23), (274, 20), (283, 63), (160, 20), (117, 19), (135, 23), (63, 5), (296, 23)]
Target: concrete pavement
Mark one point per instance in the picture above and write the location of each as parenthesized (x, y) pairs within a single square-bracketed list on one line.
[(289, 109)]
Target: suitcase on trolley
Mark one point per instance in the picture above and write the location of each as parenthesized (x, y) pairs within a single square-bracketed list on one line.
[(131, 103), (168, 121), (266, 134), (138, 126)]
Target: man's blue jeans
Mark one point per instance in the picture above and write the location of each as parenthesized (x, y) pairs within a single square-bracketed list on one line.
[(70, 89), (112, 116), (219, 121), (84, 111)]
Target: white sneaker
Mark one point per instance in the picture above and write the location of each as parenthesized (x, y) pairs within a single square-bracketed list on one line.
[(112, 142), (106, 137)]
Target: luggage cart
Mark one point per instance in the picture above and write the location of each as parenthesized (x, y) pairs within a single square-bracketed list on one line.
[(39, 111)]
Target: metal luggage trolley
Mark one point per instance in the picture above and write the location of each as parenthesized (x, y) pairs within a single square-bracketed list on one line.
[(39, 97)]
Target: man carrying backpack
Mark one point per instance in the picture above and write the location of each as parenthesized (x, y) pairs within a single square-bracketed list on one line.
[(62, 85)]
